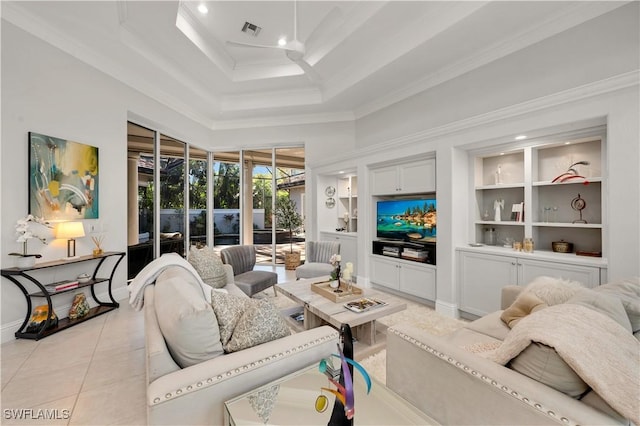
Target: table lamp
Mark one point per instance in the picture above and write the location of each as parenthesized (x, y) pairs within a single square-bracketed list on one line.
[(71, 231)]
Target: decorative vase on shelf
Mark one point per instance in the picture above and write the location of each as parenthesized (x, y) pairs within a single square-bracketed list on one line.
[(23, 262)]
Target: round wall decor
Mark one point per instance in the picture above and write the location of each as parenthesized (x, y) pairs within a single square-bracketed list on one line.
[(331, 202), (329, 191)]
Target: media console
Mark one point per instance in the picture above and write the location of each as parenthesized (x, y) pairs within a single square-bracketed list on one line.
[(416, 251)]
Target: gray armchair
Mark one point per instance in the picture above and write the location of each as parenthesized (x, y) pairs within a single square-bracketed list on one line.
[(318, 254), (243, 259)]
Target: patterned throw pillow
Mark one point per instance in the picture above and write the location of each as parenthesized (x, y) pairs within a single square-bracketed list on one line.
[(260, 323), (208, 265), (228, 309)]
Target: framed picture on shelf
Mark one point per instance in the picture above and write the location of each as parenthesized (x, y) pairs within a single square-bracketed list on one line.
[(63, 178)]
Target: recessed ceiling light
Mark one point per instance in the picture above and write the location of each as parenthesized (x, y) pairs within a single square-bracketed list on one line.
[(502, 153), (567, 143), (341, 172), (202, 8), (282, 41), (521, 137)]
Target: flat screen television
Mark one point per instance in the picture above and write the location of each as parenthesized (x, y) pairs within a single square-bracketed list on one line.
[(407, 219)]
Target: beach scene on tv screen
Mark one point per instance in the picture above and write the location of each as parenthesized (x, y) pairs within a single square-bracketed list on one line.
[(408, 220)]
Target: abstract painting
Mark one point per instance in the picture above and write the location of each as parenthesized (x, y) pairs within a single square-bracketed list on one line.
[(63, 178)]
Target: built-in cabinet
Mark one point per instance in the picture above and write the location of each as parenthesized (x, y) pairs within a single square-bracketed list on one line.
[(405, 276), (558, 186), (482, 275), (549, 190), (406, 178), (348, 246)]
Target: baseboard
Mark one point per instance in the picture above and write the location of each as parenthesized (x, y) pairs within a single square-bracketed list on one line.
[(447, 309), (8, 331)]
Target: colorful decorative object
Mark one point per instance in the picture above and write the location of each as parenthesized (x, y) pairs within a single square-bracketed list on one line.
[(79, 307), (344, 394), (572, 173), (39, 317), (63, 178)]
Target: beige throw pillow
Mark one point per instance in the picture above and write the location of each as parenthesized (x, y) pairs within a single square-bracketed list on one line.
[(525, 304), (228, 309), (542, 363), (628, 291), (261, 322), (607, 304), (208, 265), (186, 320)]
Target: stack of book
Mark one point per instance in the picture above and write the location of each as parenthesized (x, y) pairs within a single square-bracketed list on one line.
[(415, 253), (391, 251), (61, 285)]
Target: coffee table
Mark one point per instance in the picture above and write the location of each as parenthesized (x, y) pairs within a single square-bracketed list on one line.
[(290, 401), (318, 310)]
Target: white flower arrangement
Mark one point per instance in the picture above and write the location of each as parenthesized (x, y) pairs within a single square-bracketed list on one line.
[(335, 259), (25, 232)]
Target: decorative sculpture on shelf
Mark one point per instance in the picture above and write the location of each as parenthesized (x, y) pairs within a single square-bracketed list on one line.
[(579, 204), (342, 378), (572, 173), (497, 205), (39, 318), (79, 307)]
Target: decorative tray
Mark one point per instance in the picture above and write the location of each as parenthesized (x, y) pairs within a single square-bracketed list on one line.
[(324, 289)]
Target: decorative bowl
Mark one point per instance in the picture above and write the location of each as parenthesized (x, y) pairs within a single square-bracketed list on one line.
[(83, 278), (562, 246)]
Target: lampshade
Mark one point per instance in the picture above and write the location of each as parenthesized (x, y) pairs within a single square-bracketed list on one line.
[(70, 230)]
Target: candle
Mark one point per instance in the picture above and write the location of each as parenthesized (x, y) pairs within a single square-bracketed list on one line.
[(346, 275)]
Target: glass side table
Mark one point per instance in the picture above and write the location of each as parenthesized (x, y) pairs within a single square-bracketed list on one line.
[(291, 401)]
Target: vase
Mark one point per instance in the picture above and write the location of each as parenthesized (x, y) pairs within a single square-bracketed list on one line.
[(25, 261)]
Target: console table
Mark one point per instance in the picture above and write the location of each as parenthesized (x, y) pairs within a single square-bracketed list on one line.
[(22, 276)]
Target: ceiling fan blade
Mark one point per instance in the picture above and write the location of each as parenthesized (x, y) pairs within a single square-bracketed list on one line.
[(311, 74), (262, 46)]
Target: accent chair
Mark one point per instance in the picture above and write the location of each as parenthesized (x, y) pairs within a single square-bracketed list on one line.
[(318, 254), (243, 259)]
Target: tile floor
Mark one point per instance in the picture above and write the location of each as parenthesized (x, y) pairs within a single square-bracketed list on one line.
[(90, 374)]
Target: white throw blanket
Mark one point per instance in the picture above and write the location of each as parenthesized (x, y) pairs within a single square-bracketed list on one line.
[(598, 349), (150, 272)]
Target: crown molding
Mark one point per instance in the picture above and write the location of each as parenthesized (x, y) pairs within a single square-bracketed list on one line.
[(266, 100), (597, 88), (572, 16), (290, 120)]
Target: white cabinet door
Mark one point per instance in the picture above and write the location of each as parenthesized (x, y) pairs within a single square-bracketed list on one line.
[(528, 269), (384, 181), (385, 272), (417, 177), (418, 280), (410, 178), (481, 278)]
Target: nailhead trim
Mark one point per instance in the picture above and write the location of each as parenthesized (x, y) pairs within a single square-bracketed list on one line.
[(484, 378), (252, 365)]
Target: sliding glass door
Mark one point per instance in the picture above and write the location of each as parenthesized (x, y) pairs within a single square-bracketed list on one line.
[(180, 195)]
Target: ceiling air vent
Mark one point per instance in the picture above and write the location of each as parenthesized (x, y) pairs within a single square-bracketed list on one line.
[(251, 29)]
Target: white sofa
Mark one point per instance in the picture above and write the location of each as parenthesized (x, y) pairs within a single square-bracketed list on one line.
[(441, 376), (196, 394)]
